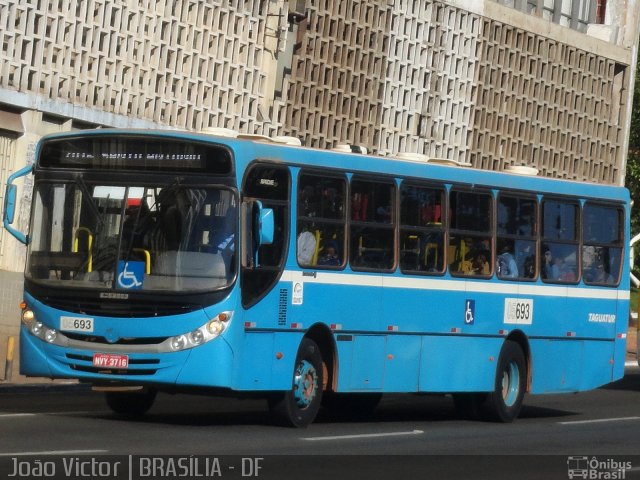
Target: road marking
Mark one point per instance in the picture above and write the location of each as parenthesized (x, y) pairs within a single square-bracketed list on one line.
[(52, 452), (25, 414), (600, 420), (365, 435), (77, 412)]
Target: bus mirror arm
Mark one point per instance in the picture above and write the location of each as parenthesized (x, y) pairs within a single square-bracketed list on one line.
[(10, 200)]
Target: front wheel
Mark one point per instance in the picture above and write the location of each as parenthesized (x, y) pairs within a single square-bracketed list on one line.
[(299, 406), (505, 402), (131, 404)]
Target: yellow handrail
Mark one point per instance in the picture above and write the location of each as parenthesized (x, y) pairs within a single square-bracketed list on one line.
[(428, 249), (89, 245), (316, 251), (147, 260)]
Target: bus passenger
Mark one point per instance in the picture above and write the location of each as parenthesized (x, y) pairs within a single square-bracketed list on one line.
[(329, 256), (306, 247), (480, 264), (567, 272), (602, 276), (550, 269), (506, 264)]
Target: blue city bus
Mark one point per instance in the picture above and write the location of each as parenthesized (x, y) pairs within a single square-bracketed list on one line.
[(176, 261)]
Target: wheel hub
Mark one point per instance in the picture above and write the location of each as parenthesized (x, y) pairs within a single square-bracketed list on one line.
[(510, 384), (305, 384)]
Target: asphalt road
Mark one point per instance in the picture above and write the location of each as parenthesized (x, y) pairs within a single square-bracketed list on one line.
[(602, 424)]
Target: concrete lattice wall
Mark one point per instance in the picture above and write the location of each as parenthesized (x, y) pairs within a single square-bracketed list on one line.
[(174, 62), (472, 81), (448, 82), (469, 80), (552, 105)]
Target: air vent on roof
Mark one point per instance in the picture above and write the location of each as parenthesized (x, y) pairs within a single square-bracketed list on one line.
[(343, 147), (264, 138), (422, 158), (521, 170), (221, 132), (412, 157), (227, 132), (288, 140), (448, 161)]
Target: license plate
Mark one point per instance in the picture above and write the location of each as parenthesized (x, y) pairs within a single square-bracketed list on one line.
[(76, 324), (109, 360)]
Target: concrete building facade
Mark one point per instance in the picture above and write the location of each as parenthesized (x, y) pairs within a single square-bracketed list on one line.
[(544, 83)]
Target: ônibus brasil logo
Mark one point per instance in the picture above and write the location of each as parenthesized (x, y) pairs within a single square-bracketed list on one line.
[(593, 468)]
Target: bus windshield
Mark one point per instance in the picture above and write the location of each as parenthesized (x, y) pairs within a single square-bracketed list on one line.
[(170, 237)]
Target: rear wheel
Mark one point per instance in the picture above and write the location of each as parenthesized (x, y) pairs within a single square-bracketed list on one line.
[(505, 402), (299, 406), (132, 404)]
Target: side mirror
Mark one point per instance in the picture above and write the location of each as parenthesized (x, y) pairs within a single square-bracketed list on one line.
[(266, 226), (10, 200), (10, 204), (257, 229)]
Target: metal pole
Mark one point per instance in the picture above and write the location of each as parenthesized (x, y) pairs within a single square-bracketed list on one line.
[(637, 329), (8, 368)]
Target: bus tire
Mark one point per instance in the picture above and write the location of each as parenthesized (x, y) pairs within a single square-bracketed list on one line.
[(130, 404), (351, 405), (505, 402), (299, 406)]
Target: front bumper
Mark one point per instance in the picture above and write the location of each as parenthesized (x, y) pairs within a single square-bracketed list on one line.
[(209, 365)]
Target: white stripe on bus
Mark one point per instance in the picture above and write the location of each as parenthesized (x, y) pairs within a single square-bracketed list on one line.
[(443, 284)]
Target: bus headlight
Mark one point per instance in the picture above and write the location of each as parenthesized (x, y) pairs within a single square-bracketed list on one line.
[(178, 343), (39, 329), (50, 335), (215, 327), (196, 337), (207, 332), (28, 316)]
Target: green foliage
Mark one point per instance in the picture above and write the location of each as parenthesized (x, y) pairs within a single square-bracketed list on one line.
[(633, 159), (632, 179)]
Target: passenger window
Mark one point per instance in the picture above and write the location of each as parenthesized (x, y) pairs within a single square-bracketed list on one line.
[(559, 259), (516, 241), (372, 243), (321, 221), (469, 251), (421, 230), (602, 240)]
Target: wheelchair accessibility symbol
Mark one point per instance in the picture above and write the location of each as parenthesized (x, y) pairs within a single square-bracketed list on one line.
[(130, 275), (469, 312)]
